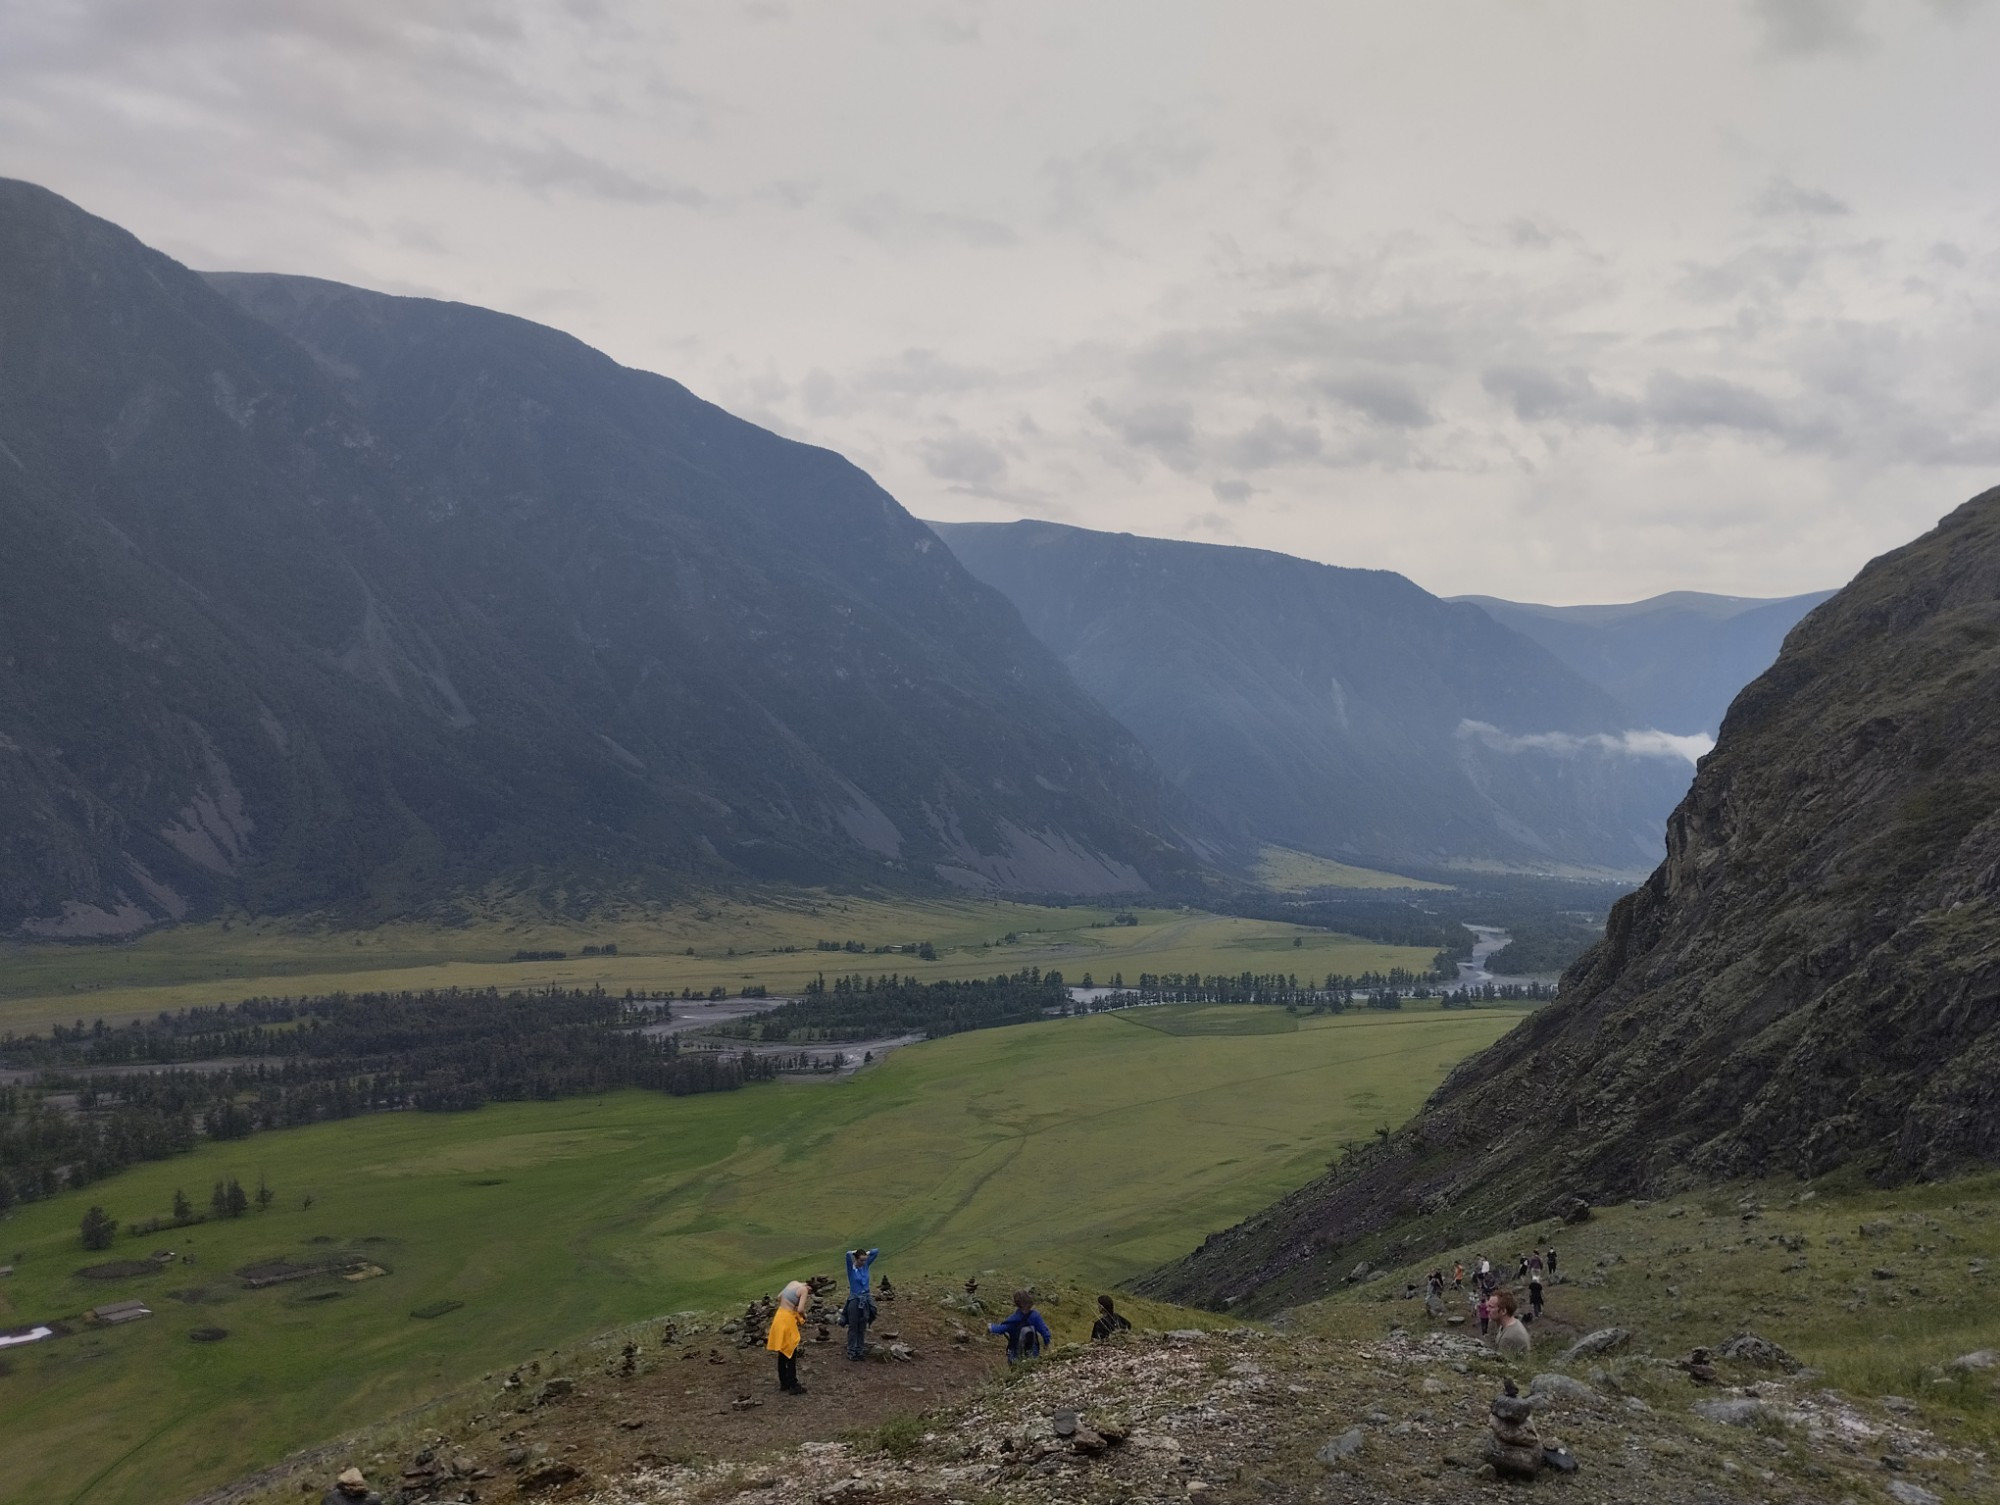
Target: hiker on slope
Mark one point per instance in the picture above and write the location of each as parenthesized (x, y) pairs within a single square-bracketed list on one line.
[(1108, 1324), (785, 1335), (860, 1308), (1025, 1329)]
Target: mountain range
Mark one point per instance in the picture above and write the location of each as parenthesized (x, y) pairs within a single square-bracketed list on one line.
[(315, 598), (1809, 982), (322, 600), (1674, 661), (1346, 711)]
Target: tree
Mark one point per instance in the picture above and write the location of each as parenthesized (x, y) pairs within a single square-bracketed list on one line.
[(237, 1198), (218, 1200), (98, 1230), (264, 1193), (183, 1209)]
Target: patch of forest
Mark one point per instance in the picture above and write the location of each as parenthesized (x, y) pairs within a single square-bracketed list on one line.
[(106, 1096), (865, 1008)]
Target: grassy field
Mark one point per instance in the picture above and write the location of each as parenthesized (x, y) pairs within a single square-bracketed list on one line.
[(719, 942), (1288, 871), (1084, 1150)]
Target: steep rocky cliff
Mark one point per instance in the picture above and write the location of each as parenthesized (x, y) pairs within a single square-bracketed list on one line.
[(1811, 979)]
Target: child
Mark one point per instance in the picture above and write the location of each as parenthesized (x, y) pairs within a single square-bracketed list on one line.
[(1108, 1321), (1485, 1314), (1027, 1334), (784, 1336), (860, 1310)]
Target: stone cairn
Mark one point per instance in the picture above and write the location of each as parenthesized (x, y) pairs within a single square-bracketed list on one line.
[(1514, 1449)]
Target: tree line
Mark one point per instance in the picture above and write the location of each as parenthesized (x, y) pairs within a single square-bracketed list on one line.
[(866, 1007), (228, 1071)]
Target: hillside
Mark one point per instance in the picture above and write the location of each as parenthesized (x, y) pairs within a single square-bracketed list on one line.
[(1675, 660), (1345, 711), (1810, 981), (320, 599)]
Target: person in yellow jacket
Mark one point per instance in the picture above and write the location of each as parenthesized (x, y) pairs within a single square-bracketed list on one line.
[(785, 1334)]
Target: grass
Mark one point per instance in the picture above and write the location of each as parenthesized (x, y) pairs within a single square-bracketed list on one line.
[(1288, 871), (719, 942), (1081, 1150), (1790, 1261)]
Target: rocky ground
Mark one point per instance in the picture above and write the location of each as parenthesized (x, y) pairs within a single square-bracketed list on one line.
[(1238, 1414)]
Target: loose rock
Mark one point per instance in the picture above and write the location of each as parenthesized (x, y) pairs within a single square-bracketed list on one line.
[(1739, 1411), (1604, 1340), (1340, 1448), (1748, 1348)]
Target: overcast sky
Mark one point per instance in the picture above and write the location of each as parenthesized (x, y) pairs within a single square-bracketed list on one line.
[(1561, 300)]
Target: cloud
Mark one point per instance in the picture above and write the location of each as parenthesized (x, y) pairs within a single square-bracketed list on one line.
[(1810, 28), (1632, 744), (964, 459), (1784, 199)]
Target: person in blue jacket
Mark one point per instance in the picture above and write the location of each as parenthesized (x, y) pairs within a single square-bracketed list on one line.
[(1026, 1332), (860, 1309)]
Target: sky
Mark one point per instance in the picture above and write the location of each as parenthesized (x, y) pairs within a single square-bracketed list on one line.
[(1555, 300)]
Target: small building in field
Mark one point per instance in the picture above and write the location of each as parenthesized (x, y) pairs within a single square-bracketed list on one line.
[(114, 1312)]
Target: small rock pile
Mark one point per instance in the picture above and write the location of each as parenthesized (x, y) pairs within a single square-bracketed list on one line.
[(1514, 1448)]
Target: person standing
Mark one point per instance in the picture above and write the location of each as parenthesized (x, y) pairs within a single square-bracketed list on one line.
[(1485, 1314), (1510, 1338), (1552, 1264), (1534, 1294), (1026, 1331), (785, 1335), (1458, 1276), (860, 1309)]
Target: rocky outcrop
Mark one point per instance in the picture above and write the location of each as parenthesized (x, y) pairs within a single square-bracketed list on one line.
[(1810, 980)]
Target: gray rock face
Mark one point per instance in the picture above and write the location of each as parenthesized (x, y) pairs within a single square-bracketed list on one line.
[(1604, 1340), (1737, 1411), (1338, 1449), (1980, 1358)]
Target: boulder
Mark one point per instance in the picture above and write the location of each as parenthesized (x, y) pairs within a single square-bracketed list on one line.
[(1589, 1346), (1748, 1348), (1979, 1358), (1560, 1387), (1339, 1449), (553, 1390), (546, 1474), (1736, 1411), (1912, 1494)]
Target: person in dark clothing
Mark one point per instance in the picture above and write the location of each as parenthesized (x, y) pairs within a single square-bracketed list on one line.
[(1552, 1264), (860, 1308), (1534, 1294), (1026, 1331), (1108, 1321)]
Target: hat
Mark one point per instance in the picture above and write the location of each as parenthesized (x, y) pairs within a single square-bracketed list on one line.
[(352, 1478)]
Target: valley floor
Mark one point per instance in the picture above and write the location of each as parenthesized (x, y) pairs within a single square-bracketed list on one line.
[(1088, 1149)]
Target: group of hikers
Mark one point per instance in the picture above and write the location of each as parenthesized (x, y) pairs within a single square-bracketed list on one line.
[(1497, 1309), (1025, 1329)]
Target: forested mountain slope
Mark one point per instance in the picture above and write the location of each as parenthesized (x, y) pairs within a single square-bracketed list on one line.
[(1810, 980), (313, 597), (1676, 661), (1346, 711)]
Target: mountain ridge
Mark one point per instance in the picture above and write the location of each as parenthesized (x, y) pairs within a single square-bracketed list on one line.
[(1348, 712), (1809, 981), (439, 598)]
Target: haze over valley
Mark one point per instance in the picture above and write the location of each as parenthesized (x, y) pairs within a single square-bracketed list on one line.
[(958, 754)]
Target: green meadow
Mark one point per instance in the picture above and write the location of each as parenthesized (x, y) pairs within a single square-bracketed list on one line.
[(1081, 1150), (714, 942)]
